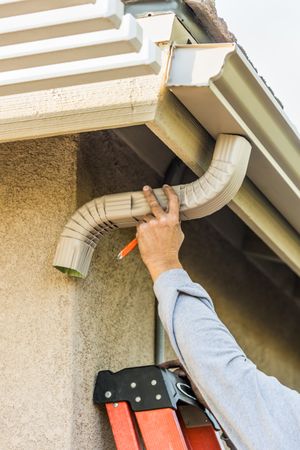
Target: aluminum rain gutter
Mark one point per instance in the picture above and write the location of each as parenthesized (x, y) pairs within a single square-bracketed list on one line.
[(219, 87), (209, 193)]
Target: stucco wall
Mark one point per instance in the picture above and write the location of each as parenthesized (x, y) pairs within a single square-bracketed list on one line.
[(115, 304), (37, 193), (56, 333)]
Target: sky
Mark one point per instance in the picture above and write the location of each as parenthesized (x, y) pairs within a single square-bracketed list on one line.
[(269, 31)]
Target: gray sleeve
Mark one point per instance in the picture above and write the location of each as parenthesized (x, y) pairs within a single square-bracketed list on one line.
[(255, 410)]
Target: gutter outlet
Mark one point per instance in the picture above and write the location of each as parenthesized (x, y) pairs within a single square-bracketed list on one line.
[(213, 190)]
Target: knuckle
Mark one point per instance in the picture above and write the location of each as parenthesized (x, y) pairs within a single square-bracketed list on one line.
[(163, 220), (175, 219)]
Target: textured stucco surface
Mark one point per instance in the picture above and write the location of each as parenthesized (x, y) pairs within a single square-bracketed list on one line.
[(115, 304), (37, 194), (56, 333)]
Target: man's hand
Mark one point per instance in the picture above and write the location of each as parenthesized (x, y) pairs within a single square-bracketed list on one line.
[(181, 372), (159, 235)]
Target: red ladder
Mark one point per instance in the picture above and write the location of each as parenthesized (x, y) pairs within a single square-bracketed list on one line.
[(152, 408)]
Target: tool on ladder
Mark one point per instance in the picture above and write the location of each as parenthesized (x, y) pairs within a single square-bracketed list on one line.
[(153, 408)]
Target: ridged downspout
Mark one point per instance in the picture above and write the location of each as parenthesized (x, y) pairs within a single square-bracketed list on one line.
[(213, 190)]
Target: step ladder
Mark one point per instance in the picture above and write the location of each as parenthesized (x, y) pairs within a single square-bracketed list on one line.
[(154, 409)]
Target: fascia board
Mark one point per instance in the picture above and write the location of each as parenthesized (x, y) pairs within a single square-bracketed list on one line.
[(100, 15), (220, 88), (165, 28), (145, 62), (127, 39), (141, 9), (75, 109)]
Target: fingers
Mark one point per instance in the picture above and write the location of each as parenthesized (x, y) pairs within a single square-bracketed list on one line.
[(148, 218), (173, 201), (155, 207), (173, 364), (180, 373)]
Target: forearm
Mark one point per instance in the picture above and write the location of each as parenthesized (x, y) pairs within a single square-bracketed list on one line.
[(243, 399), (157, 268)]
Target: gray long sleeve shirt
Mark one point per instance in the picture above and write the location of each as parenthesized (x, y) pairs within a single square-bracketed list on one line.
[(255, 410)]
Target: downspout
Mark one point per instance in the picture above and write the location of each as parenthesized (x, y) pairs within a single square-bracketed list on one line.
[(213, 190)]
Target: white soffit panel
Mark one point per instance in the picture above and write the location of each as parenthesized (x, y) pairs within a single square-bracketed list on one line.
[(221, 89), (128, 38), (74, 53), (18, 7), (145, 62), (83, 18)]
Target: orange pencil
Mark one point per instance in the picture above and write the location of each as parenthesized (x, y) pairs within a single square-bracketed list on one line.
[(129, 247)]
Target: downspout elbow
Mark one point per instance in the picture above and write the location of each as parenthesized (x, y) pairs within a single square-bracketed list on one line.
[(208, 194)]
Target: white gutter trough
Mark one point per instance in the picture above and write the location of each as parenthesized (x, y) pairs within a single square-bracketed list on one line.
[(220, 88), (209, 193)]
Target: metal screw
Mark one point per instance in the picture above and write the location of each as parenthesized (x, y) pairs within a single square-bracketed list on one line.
[(116, 405), (107, 394), (133, 385), (138, 399), (153, 382), (158, 397)]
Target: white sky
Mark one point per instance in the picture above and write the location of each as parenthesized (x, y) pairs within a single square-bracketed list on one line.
[(269, 31)]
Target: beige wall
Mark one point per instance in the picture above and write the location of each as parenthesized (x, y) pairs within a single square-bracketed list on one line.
[(56, 333), (37, 193), (115, 304)]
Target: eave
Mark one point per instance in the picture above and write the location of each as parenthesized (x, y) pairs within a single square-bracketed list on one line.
[(117, 102)]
